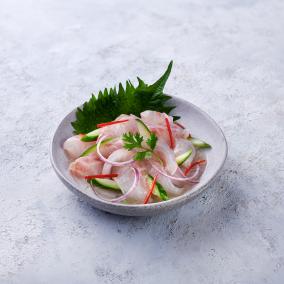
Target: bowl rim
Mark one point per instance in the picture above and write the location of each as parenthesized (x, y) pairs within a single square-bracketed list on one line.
[(174, 201)]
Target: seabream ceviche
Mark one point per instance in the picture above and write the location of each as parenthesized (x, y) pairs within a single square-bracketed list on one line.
[(129, 149), (140, 160)]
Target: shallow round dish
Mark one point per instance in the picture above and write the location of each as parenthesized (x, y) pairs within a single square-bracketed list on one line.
[(200, 125)]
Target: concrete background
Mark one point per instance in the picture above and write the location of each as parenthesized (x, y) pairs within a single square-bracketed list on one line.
[(228, 59)]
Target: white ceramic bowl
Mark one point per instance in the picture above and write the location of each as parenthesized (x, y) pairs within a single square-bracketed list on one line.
[(199, 124)]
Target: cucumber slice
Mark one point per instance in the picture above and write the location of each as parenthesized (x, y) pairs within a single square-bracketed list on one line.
[(158, 191), (105, 184), (91, 136), (93, 148), (183, 157), (143, 129), (200, 144), (89, 151)]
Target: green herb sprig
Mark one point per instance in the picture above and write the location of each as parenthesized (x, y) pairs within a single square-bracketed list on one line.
[(134, 140)]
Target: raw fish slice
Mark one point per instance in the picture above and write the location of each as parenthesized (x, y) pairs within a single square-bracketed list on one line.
[(167, 155), (143, 166), (182, 146), (116, 130), (125, 181), (151, 117), (167, 184), (119, 155), (110, 147), (156, 123), (197, 171), (74, 147), (86, 166), (162, 132), (179, 132)]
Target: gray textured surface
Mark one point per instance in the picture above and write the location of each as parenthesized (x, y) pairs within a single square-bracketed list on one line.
[(228, 60)]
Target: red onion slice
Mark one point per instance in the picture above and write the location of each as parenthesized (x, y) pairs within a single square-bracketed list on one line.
[(117, 164), (124, 196), (189, 179)]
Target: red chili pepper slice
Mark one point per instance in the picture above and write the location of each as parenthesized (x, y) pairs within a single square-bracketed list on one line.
[(151, 190), (170, 133), (187, 170), (102, 176), (111, 123)]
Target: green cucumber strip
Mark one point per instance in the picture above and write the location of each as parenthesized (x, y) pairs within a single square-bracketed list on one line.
[(183, 157), (105, 184), (89, 151), (93, 148), (159, 190), (143, 129), (198, 143), (91, 136)]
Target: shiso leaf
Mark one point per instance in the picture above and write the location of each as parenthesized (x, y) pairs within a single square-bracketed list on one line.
[(110, 103)]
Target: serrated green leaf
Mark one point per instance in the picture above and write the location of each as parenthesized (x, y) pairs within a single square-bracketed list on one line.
[(152, 141), (131, 140), (159, 85), (110, 103)]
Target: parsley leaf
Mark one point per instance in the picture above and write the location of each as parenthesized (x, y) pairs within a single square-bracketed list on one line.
[(152, 141), (110, 103), (143, 155), (132, 141)]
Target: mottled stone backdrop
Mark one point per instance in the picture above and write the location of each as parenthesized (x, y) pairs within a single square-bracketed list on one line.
[(228, 59)]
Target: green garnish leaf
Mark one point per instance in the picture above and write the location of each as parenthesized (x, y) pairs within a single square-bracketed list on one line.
[(111, 103), (152, 141), (132, 141), (143, 155)]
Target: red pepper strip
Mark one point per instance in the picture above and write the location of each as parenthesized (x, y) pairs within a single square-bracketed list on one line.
[(111, 122), (180, 125), (170, 133), (102, 176), (187, 170), (151, 190)]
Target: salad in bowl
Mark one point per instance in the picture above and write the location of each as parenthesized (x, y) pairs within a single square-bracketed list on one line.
[(129, 149)]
